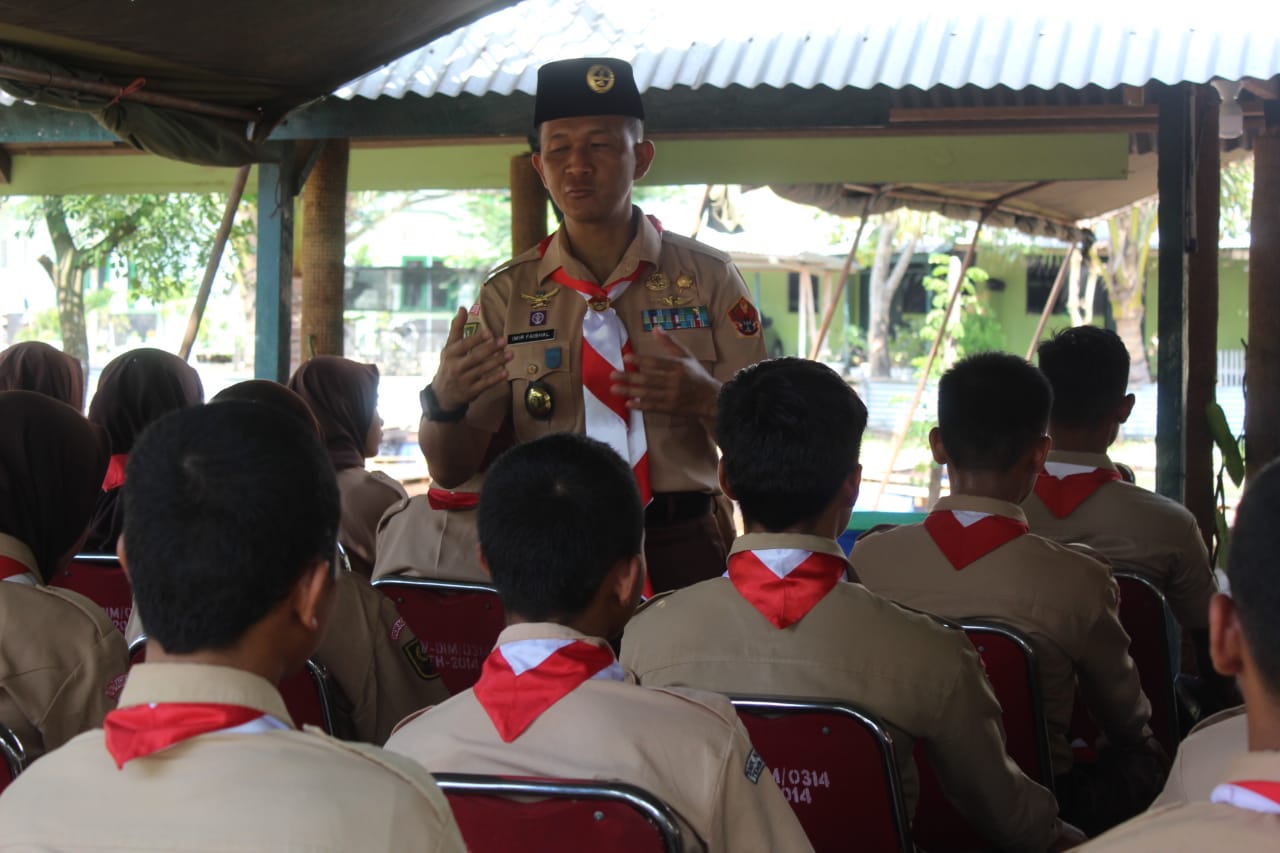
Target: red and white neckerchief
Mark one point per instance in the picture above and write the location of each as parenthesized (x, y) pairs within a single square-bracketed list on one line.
[(114, 478), (1062, 486), (605, 344), (966, 535), (522, 679), (1257, 795), (446, 499), (12, 570), (784, 584), (140, 730)]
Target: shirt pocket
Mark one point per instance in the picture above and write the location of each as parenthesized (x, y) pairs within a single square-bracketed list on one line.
[(701, 343), (547, 363)]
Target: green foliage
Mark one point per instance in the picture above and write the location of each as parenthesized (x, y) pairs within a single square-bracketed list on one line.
[(973, 327), (1232, 464), (1236, 200)]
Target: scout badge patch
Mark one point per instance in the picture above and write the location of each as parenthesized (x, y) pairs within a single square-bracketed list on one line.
[(745, 318)]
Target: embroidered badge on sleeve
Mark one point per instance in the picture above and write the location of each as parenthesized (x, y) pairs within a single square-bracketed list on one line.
[(745, 318), (420, 659), (754, 767)]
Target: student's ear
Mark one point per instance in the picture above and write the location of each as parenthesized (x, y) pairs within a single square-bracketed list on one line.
[(644, 158), (313, 596), (1125, 408), (1040, 452), (627, 583), (852, 485), (724, 481), (1226, 641), (123, 558), (935, 444)]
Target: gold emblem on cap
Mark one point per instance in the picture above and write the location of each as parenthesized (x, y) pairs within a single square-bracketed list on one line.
[(541, 299), (600, 79), (538, 402), (685, 281), (656, 281)]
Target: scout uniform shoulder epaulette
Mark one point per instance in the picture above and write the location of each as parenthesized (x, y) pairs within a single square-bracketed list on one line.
[(522, 258), (692, 245)]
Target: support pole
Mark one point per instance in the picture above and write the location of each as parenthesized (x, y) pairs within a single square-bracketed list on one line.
[(215, 258), (276, 193), (1262, 361), (1053, 300), (1173, 182), (528, 205), (324, 250), (843, 281), (1202, 313)]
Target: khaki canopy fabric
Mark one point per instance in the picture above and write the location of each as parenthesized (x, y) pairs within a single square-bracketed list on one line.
[(266, 57)]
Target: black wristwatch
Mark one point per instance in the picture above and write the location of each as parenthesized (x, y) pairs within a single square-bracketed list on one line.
[(431, 408)]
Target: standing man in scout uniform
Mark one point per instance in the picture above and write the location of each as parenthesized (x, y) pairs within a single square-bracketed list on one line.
[(231, 524), (612, 327), (1242, 812), (552, 700), (973, 558), (786, 621)]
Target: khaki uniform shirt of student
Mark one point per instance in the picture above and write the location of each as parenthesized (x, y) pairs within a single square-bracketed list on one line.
[(376, 662), (62, 661), (365, 497), (1203, 825), (1137, 530), (685, 747), (1066, 604), (1203, 757), (276, 790), (417, 541), (923, 680), (693, 291)]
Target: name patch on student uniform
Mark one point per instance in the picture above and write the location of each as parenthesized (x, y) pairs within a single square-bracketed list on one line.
[(754, 767), (670, 319), (532, 337)]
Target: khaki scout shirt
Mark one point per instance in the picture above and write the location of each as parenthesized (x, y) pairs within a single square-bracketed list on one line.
[(1201, 826), (417, 541), (365, 497), (1066, 603), (923, 680), (682, 450), (1203, 757), (276, 790), (62, 662), (1137, 530), (683, 746)]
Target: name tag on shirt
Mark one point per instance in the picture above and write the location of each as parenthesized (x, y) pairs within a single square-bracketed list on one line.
[(532, 337)]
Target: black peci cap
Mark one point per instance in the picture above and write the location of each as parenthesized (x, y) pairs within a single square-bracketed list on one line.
[(594, 86)]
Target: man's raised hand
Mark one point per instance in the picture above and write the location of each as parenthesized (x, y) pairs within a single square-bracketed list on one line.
[(469, 364)]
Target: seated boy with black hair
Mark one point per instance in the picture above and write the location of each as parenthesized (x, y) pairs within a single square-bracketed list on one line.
[(561, 533), (1242, 812), (973, 558), (229, 540), (1081, 496), (786, 621)]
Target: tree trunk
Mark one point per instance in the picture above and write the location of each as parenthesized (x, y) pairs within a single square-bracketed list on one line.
[(883, 285), (69, 283), (324, 229), (1129, 328)]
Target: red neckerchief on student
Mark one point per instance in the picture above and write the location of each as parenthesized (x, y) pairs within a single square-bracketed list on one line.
[(785, 583), (1061, 495), (1256, 795), (962, 543), (10, 568), (523, 678), (140, 730), (446, 499), (114, 478)]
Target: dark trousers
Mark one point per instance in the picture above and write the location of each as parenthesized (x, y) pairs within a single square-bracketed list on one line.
[(1122, 783), (683, 553)]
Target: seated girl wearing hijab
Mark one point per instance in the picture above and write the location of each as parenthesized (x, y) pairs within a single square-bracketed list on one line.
[(134, 389), (35, 366), (62, 661), (343, 396)]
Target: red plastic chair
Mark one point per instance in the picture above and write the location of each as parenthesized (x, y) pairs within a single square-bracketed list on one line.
[(835, 765), (1011, 667), (14, 757), (456, 622), (99, 578), (308, 693), (497, 814)]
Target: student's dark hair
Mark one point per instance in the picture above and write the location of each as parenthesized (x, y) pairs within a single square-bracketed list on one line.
[(1088, 368), (1254, 572), (791, 431), (226, 506), (555, 516), (992, 407)]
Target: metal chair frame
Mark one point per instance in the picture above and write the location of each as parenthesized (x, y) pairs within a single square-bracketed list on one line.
[(1168, 622), (393, 581), (653, 809), (15, 756), (780, 705)]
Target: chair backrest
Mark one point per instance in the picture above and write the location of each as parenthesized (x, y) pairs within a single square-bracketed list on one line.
[(457, 623), (308, 693), (14, 757), (1147, 619), (99, 578), (835, 765), (1011, 667), (498, 814)]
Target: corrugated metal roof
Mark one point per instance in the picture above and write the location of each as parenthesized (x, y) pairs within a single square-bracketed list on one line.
[(808, 43)]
